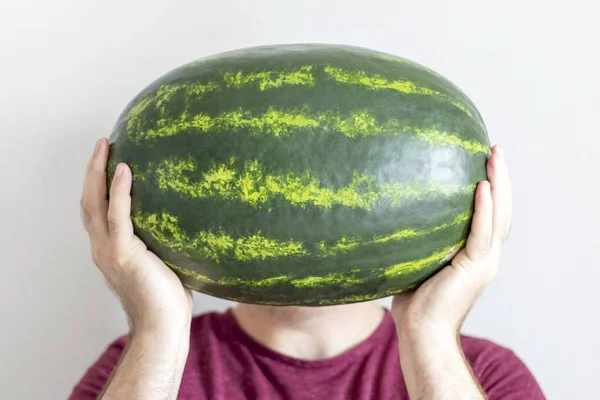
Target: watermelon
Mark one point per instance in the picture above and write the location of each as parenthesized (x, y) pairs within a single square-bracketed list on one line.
[(306, 174)]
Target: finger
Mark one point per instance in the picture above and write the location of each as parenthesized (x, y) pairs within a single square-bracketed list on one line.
[(501, 194), (480, 237), (94, 203), (119, 208)]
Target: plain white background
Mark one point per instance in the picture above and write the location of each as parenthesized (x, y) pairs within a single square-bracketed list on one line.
[(67, 68)]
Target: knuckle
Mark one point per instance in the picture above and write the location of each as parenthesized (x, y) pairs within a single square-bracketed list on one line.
[(120, 258), (114, 226), (85, 210), (483, 247), (85, 204), (85, 219), (482, 252), (122, 251)]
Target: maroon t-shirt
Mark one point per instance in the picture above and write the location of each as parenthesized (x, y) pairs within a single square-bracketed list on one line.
[(225, 363)]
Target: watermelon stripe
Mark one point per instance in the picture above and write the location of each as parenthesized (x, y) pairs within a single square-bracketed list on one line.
[(413, 65), (270, 79), (336, 278), (165, 229), (160, 99), (195, 90), (332, 159), (264, 80), (280, 219), (363, 297), (416, 265), (436, 137), (278, 123), (346, 245), (441, 81), (272, 122), (377, 82), (254, 187), (228, 281)]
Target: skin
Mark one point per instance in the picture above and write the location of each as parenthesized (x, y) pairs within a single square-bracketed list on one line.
[(159, 308)]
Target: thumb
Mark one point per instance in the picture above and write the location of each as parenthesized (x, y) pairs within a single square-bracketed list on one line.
[(119, 209)]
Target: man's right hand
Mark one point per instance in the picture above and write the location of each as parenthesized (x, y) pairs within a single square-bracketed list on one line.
[(152, 295)]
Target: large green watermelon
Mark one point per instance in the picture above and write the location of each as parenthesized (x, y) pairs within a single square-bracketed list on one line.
[(302, 174)]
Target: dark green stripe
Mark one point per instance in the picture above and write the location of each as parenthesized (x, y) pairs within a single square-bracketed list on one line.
[(309, 225), (366, 266), (332, 159), (327, 96), (319, 55)]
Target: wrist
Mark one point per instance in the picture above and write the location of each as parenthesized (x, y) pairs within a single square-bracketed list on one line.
[(161, 321), (434, 366), (426, 335), (152, 364), (172, 330), (163, 346)]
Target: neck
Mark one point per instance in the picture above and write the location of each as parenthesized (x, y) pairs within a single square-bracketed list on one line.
[(310, 333)]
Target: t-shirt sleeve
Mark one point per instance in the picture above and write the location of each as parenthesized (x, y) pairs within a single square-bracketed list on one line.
[(94, 379), (504, 376)]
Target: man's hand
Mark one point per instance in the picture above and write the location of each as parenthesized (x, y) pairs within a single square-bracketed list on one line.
[(443, 302), (158, 306), (150, 292), (428, 320)]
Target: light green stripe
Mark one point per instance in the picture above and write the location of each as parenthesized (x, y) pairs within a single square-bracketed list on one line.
[(160, 99), (416, 265), (399, 60), (347, 279), (373, 81), (377, 82), (343, 279), (165, 229), (257, 188), (273, 122), (365, 297), (193, 91), (436, 137), (283, 123), (192, 274), (346, 245), (270, 79), (311, 281)]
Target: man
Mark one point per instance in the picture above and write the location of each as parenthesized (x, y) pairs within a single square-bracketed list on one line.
[(356, 351)]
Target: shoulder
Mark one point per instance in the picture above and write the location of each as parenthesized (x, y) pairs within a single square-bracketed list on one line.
[(500, 371), (483, 354), (480, 350)]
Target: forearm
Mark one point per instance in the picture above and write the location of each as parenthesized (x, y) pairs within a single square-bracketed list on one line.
[(435, 368), (151, 366)]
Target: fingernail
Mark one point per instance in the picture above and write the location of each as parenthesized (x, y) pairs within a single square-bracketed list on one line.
[(98, 145), (120, 170)]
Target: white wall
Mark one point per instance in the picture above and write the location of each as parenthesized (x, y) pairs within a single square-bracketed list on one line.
[(67, 68)]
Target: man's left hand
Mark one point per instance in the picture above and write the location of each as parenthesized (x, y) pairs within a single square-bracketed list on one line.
[(442, 303)]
